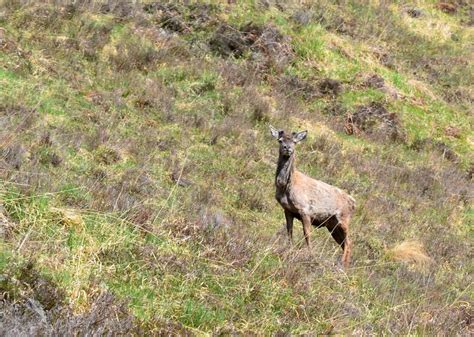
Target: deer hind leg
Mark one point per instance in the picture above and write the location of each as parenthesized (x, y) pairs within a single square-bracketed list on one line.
[(340, 233)]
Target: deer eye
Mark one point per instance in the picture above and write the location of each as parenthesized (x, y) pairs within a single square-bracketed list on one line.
[(280, 140)]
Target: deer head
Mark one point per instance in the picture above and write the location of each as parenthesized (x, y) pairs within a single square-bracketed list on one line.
[(287, 140)]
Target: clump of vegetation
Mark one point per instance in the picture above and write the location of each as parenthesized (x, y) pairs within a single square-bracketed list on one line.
[(267, 46), (374, 119), (411, 252), (136, 167)]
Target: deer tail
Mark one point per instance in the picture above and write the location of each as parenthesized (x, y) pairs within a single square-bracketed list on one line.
[(352, 202)]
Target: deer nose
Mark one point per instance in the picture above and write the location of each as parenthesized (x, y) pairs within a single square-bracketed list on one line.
[(287, 149)]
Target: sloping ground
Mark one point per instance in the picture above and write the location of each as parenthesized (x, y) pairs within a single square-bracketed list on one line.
[(136, 167)]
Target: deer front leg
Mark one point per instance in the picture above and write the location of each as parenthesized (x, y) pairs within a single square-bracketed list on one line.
[(289, 225), (306, 228)]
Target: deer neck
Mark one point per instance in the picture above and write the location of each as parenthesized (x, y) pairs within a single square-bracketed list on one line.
[(285, 170)]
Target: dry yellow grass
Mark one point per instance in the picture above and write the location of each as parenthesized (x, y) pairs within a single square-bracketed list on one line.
[(410, 252)]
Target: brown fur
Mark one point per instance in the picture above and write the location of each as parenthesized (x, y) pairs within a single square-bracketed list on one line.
[(311, 201)]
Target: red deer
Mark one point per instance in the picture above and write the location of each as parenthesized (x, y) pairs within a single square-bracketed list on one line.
[(311, 201)]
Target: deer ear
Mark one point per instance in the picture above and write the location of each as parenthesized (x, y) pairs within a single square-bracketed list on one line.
[(298, 137), (275, 133)]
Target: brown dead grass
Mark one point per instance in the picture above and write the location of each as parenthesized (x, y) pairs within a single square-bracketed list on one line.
[(411, 252)]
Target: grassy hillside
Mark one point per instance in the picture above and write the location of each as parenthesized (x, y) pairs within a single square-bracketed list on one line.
[(136, 166)]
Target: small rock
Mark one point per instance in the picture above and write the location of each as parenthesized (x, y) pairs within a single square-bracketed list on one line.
[(414, 12)]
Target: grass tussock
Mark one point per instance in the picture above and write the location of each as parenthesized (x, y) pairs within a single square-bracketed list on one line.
[(412, 253)]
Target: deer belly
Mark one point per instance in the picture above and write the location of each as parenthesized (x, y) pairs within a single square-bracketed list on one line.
[(323, 219)]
